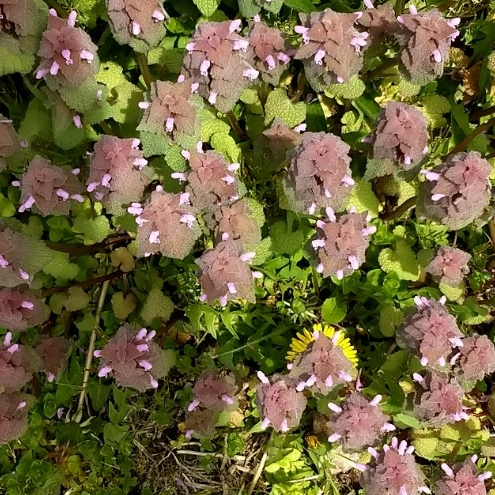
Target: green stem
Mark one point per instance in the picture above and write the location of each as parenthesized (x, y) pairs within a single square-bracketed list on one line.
[(464, 143), (145, 70), (399, 7), (400, 209), (89, 356)]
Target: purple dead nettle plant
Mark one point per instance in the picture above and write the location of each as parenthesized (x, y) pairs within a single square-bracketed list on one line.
[(449, 266), (211, 181), (475, 359), (21, 309), (456, 192), (393, 471), (430, 333), (221, 62), (279, 403), (48, 189), (331, 47), (462, 479), (68, 56), (236, 222), (319, 174), (341, 243), (116, 175), (138, 23), (166, 223), (425, 39), (357, 422), (438, 399), (133, 359), (9, 141), (380, 22), (14, 415), (16, 19), (401, 135), (213, 391), (270, 52), (172, 110), (17, 365), (225, 275), (322, 366), (54, 353), (201, 423)]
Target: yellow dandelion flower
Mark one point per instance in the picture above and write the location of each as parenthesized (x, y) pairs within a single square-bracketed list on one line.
[(302, 340)]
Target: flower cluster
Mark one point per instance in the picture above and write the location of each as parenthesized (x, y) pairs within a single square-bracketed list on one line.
[(236, 222), (270, 52), (425, 39), (138, 23), (17, 365), (322, 366), (166, 224), (9, 141), (357, 423), (280, 404), (393, 471), (116, 177), (380, 22), (456, 192), (341, 244), (401, 135), (54, 354), (172, 110), (133, 359), (449, 266), (68, 55), (13, 415), (332, 47), (20, 309), (476, 358), (218, 60), (319, 174), (49, 188), (462, 479), (225, 273), (430, 333), (438, 400)]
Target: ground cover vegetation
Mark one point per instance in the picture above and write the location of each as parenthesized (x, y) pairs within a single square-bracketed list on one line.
[(247, 246)]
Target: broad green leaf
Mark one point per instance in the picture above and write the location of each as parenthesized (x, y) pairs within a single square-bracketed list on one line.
[(213, 126), (284, 241), (350, 90), (225, 144), (390, 319), (174, 159), (76, 299), (363, 198), (12, 59), (333, 310), (81, 99), (153, 144), (452, 293), (425, 444), (305, 6), (98, 393), (123, 307), (434, 107), (278, 104), (401, 261), (207, 7), (405, 421), (157, 305), (93, 230)]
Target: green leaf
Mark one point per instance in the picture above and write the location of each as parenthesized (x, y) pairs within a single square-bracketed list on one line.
[(425, 444), (350, 90), (434, 107), (12, 59), (452, 293), (368, 106), (305, 6), (98, 393), (402, 261), (285, 241), (7, 208), (405, 421), (363, 198), (484, 46), (207, 7), (123, 307), (76, 299), (226, 145), (333, 310), (390, 320), (94, 230), (157, 305), (82, 98), (213, 126), (278, 104)]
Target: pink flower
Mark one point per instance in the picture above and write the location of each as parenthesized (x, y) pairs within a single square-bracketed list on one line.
[(462, 479), (14, 409), (477, 357), (449, 266), (21, 309)]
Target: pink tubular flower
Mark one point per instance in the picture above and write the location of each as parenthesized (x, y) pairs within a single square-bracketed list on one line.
[(133, 359), (401, 135), (54, 354), (279, 403), (393, 471), (68, 54), (225, 274), (213, 392), (319, 174), (456, 192), (17, 365), (341, 243), (14, 409), (462, 479), (477, 357), (426, 39), (138, 23), (9, 141), (358, 423), (20, 309), (172, 111), (430, 333), (439, 400), (449, 266), (322, 366), (332, 47), (47, 188), (218, 59), (116, 176), (166, 224)]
